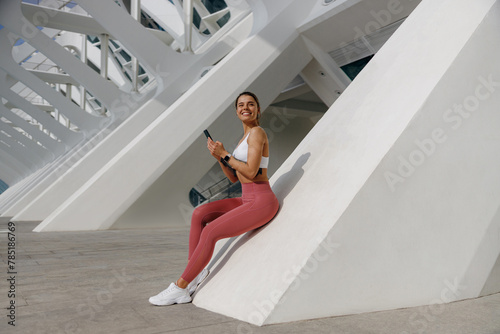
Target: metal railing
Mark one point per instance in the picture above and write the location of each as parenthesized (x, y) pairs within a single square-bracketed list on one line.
[(220, 190)]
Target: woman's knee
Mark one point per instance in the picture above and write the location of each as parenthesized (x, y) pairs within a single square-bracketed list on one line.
[(204, 215), (197, 216)]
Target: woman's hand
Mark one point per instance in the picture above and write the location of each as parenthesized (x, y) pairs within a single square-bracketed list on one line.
[(216, 149)]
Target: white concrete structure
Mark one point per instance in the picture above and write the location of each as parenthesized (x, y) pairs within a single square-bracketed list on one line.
[(102, 119), (174, 74), (392, 199), (71, 163)]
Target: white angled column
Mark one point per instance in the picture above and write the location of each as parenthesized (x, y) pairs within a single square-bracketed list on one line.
[(391, 201)]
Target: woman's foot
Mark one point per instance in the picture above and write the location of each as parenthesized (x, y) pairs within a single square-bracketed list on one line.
[(171, 295), (197, 281)]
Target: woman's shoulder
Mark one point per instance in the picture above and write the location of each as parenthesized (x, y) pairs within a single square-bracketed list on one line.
[(258, 133), (258, 129)]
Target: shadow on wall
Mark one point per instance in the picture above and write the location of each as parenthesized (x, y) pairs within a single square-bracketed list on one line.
[(286, 182), (282, 187)]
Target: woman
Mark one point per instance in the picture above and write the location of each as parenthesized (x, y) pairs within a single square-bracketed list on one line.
[(232, 216)]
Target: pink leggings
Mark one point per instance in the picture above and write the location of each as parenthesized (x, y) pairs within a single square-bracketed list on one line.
[(228, 218)]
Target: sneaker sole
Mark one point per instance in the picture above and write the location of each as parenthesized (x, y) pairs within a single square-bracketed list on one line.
[(177, 301)]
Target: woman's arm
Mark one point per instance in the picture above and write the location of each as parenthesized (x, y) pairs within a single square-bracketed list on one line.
[(227, 171), (256, 142)]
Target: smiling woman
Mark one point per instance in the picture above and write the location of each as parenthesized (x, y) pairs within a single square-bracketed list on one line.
[(229, 217), (253, 142)]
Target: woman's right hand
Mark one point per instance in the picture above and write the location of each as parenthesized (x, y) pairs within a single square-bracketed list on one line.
[(211, 145), (217, 149)]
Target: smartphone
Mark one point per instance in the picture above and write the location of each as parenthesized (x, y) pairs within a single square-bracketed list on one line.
[(221, 160), (207, 134)]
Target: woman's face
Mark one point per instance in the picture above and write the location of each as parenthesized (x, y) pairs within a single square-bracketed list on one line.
[(247, 109)]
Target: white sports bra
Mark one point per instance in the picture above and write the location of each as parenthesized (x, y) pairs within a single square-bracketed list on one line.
[(241, 153)]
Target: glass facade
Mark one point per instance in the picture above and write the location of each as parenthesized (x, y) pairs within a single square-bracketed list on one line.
[(3, 186), (212, 6), (353, 69)]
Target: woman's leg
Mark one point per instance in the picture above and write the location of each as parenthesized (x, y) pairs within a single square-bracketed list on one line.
[(258, 208), (253, 213), (205, 214)]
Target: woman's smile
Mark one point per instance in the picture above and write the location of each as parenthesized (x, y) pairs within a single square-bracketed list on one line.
[(247, 108)]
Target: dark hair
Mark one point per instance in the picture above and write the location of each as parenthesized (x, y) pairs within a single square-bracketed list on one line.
[(249, 94), (254, 97)]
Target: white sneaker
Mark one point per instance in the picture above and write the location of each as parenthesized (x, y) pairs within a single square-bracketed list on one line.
[(197, 281), (171, 295)]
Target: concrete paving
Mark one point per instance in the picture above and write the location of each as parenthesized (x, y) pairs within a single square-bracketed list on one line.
[(100, 282)]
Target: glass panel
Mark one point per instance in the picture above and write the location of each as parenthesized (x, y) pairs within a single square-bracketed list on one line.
[(353, 69)]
